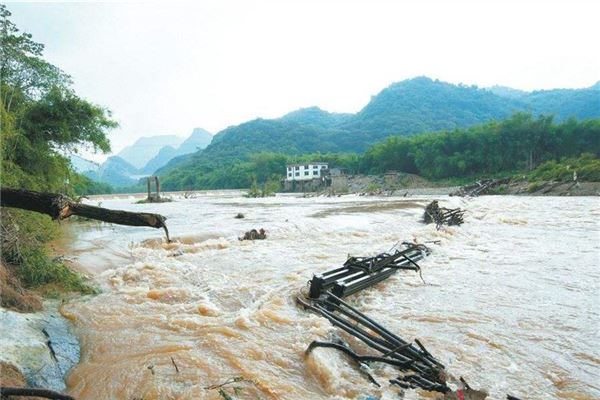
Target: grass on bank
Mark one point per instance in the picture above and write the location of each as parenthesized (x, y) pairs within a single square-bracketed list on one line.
[(26, 256), (585, 167)]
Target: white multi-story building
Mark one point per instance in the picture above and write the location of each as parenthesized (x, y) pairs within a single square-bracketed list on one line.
[(303, 172)]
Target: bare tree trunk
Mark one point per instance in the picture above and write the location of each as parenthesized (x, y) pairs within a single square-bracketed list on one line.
[(59, 207)]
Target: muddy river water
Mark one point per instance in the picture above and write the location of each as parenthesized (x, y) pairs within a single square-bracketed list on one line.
[(511, 299)]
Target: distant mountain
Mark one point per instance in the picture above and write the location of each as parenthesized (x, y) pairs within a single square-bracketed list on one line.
[(408, 107), (165, 155), (145, 148), (304, 130), (565, 103), (82, 165), (314, 116), (198, 140), (114, 171), (505, 91), (422, 105)]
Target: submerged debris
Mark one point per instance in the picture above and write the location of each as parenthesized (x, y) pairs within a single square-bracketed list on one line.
[(227, 392), (480, 187), (442, 215), (239, 216), (417, 367), (361, 272), (253, 234)]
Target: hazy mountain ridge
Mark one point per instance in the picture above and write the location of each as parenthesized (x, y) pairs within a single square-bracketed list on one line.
[(198, 140), (145, 148), (118, 171), (114, 171), (82, 165)]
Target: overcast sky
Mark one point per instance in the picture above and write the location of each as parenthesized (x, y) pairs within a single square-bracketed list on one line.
[(167, 67)]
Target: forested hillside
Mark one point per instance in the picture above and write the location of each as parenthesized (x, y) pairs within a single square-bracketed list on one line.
[(405, 108), (42, 118), (519, 143)]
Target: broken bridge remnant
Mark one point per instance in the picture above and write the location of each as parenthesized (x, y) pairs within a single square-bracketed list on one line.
[(442, 215), (361, 272), (419, 369), (59, 207), (154, 198)]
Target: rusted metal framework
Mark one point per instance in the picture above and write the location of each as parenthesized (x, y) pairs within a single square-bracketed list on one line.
[(418, 368), (361, 272)]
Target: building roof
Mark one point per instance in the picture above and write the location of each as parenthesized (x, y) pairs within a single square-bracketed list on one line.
[(307, 163)]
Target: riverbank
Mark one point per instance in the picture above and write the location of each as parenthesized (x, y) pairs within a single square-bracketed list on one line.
[(38, 348), (551, 188)]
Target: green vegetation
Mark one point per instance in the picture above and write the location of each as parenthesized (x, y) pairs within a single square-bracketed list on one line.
[(41, 120), (519, 143), (495, 149), (405, 108), (268, 188), (584, 168)]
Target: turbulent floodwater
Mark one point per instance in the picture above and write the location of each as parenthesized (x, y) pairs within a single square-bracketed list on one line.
[(511, 300)]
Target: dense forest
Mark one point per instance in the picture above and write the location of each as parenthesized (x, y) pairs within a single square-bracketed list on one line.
[(518, 143), (42, 120)]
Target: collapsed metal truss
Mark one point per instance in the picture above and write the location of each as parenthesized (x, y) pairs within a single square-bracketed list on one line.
[(361, 272), (419, 368)]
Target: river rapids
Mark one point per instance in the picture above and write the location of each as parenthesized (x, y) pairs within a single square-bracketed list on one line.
[(511, 299)]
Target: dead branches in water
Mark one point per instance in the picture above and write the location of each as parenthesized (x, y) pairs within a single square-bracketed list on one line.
[(254, 234), (59, 206), (442, 215), (480, 187)]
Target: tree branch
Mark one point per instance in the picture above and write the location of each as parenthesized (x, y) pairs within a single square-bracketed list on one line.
[(59, 207)]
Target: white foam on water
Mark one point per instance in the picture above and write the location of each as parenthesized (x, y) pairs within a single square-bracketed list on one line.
[(511, 300)]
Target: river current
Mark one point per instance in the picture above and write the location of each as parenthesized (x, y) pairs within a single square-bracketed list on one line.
[(511, 299)]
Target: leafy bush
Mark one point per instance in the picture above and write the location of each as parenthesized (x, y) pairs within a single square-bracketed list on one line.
[(24, 237)]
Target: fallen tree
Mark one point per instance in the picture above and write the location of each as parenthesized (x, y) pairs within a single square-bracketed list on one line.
[(59, 207)]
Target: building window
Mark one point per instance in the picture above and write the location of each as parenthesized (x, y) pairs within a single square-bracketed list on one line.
[(305, 173), (315, 172), (289, 168), (297, 173), (290, 175), (296, 168), (315, 166), (306, 167)]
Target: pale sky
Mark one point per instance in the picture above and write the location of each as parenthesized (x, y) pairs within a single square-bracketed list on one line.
[(167, 67)]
